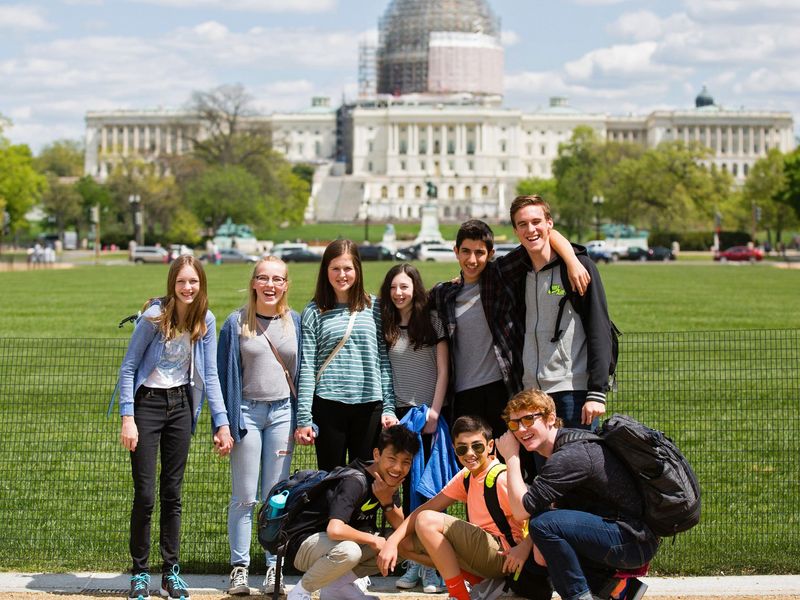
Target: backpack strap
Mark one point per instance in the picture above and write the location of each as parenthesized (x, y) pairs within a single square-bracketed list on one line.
[(467, 479), (575, 435), (569, 294), (493, 503)]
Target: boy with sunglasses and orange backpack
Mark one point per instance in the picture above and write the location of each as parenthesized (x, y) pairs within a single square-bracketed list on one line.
[(490, 544)]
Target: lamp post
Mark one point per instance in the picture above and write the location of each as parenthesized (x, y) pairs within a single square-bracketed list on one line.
[(135, 201), (366, 220), (598, 203)]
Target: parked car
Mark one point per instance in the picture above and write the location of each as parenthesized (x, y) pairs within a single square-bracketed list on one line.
[(598, 254), (176, 250), (503, 249), (437, 253), (655, 253), (231, 255), (409, 252), (377, 252), (280, 250), (149, 254), (739, 253), (615, 251), (301, 255)]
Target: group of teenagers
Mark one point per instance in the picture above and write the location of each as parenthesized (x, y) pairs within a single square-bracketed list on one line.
[(499, 363)]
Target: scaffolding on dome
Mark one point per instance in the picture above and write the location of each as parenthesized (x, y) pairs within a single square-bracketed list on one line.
[(439, 46)]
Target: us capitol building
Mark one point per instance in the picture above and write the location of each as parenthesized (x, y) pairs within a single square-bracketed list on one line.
[(430, 110)]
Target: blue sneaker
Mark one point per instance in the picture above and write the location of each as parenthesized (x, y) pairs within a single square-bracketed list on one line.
[(140, 587), (173, 586), (431, 582), (411, 577)]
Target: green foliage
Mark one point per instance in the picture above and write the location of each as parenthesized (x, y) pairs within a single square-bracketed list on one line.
[(21, 186), (62, 203), (791, 195), (304, 171), (765, 191), (223, 192), (546, 188), (577, 171), (63, 158), (185, 228)]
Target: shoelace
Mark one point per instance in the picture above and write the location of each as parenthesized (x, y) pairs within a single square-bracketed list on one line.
[(271, 576), (239, 576), (176, 579), (141, 580)]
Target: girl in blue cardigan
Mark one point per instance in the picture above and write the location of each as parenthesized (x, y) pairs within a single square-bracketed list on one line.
[(258, 358), (168, 368)]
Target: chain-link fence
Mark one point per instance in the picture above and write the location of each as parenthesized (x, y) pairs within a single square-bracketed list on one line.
[(728, 398)]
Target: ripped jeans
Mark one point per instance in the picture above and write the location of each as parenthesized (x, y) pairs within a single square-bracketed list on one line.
[(266, 449)]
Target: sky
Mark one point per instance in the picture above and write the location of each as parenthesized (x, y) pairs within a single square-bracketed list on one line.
[(62, 58)]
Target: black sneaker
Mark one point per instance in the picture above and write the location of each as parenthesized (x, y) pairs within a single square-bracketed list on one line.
[(140, 587), (634, 589), (173, 586)]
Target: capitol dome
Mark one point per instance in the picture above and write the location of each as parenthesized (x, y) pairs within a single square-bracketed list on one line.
[(439, 46)]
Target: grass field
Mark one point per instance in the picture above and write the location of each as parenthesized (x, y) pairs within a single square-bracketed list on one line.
[(728, 397), (90, 301)]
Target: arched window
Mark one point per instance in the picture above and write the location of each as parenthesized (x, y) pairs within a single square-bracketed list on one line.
[(468, 191), (401, 192), (451, 192), (417, 192), (384, 192), (485, 191)]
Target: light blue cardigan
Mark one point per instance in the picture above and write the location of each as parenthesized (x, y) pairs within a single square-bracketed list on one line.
[(144, 351), (229, 363)]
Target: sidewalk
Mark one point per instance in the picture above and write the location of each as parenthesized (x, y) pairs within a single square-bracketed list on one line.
[(113, 583)]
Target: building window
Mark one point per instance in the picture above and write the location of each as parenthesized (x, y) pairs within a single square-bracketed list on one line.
[(746, 169), (468, 191), (451, 165), (503, 165), (402, 165), (451, 147), (451, 192), (401, 192), (735, 169), (300, 148), (421, 165), (423, 146), (384, 192), (417, 191), (369, 167), (470, 147), (543, 149), (446, 211), (502, 146), (403, 147), (436, 147), (370, 146), (470, 165), (485, 191), (317, 149)]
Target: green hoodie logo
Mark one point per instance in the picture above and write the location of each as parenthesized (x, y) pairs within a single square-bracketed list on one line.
[(556, 290), (368, 505)]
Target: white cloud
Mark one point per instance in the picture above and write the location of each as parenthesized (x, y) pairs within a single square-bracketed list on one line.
[(19, 17), (618, 61), (599, 2), (271, 6), (743, 10), (644, 25), (509, 37)]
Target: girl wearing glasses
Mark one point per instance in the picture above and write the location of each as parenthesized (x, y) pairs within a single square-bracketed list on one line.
[(258, 358), (345, 377)]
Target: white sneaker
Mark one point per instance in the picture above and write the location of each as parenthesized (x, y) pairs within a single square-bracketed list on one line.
[(298, 593), (238, 582), (410, 578), (269, 582), (431, 582), (363, 583), (348, 591)]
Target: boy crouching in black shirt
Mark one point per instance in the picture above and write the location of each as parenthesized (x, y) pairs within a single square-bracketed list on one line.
[(347, 548)]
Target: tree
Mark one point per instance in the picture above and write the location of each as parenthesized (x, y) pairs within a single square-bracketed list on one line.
[(791, 169), (228, 137), (225, 191), (185, 228), (546, 188), (92, 194), (63, 158), (578, 174), (21, 186), (62, 203)]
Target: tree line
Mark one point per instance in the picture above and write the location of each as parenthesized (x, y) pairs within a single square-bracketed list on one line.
[(673, 188), (232, 171)]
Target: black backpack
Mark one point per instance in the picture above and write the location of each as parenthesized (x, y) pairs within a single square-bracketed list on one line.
[(305, 511), (670, 490), (532, 581)]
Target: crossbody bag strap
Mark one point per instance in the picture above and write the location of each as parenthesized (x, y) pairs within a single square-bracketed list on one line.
[(338, 346), (289, 378)]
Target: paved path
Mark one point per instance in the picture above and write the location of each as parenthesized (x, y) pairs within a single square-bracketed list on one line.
[(114, 583)]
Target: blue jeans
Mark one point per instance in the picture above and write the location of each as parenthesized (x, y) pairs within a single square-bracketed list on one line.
[(266, 449), (569, 539), (569, 405)]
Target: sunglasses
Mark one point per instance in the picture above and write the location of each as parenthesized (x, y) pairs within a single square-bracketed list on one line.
[(477, 448), (527, 420)]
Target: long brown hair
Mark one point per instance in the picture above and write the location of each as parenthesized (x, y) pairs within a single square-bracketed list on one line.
[(195, 320), (420, 330), (324, 296)]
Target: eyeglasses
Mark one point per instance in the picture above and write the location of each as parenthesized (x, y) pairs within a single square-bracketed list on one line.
[(264, 280), (477, 448), (527, 420)]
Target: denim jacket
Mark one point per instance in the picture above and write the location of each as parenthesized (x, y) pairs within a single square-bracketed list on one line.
[(144, 351)]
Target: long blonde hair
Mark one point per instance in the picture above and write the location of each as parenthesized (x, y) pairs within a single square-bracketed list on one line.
[(195, 319), (249, 323)]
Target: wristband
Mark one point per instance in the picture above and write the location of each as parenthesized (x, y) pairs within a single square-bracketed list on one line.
[(387, 507)]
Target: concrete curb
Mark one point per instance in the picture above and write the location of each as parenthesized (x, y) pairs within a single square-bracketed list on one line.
[(113, 583)]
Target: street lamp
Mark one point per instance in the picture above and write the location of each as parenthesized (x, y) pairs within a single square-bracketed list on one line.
[(366, 220), (598, 203), (135, 201)]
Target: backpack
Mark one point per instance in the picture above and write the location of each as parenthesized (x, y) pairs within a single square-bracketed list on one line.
[(577, 302), (305, 510), (668, 485), (532, 581)]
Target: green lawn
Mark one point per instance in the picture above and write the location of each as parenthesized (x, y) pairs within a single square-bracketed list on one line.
[(90, 301)]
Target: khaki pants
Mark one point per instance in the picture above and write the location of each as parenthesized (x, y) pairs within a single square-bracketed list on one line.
[(324, 561), (476, 549)]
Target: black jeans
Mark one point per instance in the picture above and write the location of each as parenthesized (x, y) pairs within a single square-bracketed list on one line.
[(164, 420), (345, 429), (486, 401)]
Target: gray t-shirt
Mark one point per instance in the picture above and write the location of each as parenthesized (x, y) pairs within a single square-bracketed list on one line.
[(473, 354), (263, 379), (414, 372)]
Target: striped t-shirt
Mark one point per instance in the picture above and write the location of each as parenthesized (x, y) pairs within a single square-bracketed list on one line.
[(414, 372), (359, 373)]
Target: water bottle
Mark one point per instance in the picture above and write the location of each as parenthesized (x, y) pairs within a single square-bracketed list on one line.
[(276, 505)]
